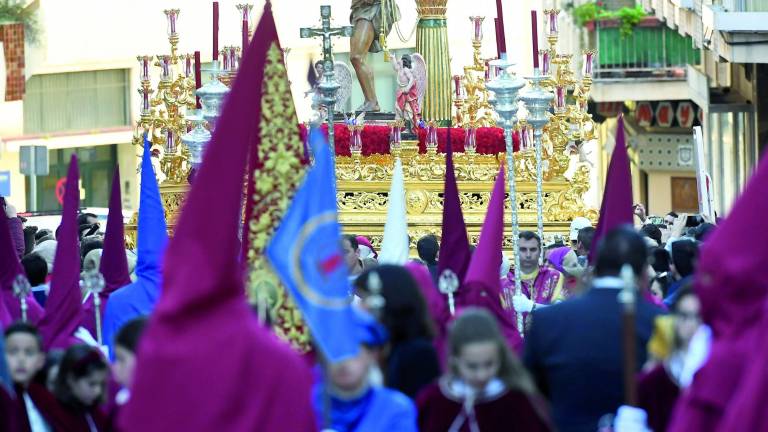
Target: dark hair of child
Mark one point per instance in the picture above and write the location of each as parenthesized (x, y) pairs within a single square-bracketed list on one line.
[(25, 328), (129, 334), (79, 361)]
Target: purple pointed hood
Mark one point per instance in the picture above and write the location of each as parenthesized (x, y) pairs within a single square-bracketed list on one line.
[(728, 392), (114, 263), (486, 261), (64, 311), (10, 267), (454, 244), (616, 208)]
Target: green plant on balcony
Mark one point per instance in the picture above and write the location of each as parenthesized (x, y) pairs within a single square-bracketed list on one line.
[(14, 11), (628, 18)]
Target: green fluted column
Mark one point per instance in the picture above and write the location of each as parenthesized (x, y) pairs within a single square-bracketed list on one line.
[(432, 43)]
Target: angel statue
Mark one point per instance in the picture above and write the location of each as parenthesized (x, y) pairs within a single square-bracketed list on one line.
[(342, 74), (411, 73)]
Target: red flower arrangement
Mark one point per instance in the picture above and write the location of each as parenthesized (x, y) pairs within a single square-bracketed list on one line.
[(376, 139)]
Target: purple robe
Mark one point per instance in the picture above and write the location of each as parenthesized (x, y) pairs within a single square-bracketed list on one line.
[(657, 394), (16, 228), (511, 410), (543, 286)]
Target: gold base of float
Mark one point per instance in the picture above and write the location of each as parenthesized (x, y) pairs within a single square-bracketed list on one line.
[(363, 184)]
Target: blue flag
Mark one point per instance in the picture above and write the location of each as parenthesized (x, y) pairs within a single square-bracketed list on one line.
[(306, 253)]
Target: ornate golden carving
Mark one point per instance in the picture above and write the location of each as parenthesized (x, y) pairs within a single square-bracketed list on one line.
[(363, 188), (569, 203), (275, 181)]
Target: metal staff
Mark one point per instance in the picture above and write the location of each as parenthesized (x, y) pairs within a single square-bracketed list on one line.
[(506, 87), (21, 289), (537, 102), (94, 283), (448, 285), (375, 301), (628, 298)]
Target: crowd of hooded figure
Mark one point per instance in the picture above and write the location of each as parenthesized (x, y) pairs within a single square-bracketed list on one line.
[(62, 389), (472, 349), (420, 366), (565, 371)]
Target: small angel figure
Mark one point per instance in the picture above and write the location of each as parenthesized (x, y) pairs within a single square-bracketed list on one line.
[(411, 73), (342, 75)]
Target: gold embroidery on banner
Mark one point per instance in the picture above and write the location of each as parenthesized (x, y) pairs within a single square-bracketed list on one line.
[(275, 182)]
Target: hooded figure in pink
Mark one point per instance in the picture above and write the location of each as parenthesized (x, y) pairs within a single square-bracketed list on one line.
[(728, 393), (114, 264), (482, 286), (204, 362), (10, 268), (64, 309)]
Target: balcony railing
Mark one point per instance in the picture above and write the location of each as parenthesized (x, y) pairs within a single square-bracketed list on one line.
[(743, 5), (652, 51)]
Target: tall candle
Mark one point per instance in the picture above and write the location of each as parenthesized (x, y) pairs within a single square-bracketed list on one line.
[(215, 31), (144, 61), (188, 66), (457, 84), (245, 35), (232, 58), (588, 62), (145, 100), (559, 98), (553, 22), (545, 62), (224, 59), (477, 22), (198, 77), (502, 37), (498, 34), (535, 39), (170, 145), (165, 65)]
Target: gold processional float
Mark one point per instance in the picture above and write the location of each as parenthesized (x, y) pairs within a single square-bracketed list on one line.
[(556, 124)]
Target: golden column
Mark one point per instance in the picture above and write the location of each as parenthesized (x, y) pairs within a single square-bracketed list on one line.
[(432, 43)]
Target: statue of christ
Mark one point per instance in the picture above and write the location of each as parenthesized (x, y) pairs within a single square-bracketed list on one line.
[(367, 18)]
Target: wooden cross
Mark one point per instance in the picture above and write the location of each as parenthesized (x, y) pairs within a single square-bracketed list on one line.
[(326, 32)]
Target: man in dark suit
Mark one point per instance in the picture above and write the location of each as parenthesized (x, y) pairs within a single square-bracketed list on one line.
[(574, 348)]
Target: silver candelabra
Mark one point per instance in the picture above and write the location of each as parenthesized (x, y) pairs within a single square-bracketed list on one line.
[(197, 138), (506, 87), (537, 102)]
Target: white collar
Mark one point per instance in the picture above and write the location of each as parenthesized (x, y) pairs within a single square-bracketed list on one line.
[(461, 390), (608, 282)]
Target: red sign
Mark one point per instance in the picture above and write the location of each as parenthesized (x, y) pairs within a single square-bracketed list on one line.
[(664, 114), (685, 114), (644, 114), (61, 186)]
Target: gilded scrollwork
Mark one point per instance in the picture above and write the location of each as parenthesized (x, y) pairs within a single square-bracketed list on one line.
[(275, 179), (569, 203), (363, 202)]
